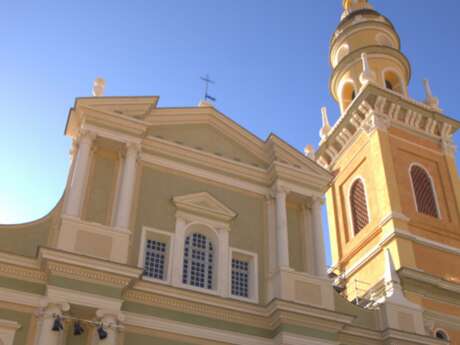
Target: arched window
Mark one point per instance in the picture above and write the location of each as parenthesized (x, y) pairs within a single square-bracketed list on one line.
[(425, 199), (358, 206), (342, 52), (393, 82), (198, 266), (348, 95)]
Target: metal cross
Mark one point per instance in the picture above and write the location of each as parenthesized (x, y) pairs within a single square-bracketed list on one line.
[(207, 81)]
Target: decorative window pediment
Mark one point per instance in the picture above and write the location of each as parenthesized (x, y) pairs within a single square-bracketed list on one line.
[(205, 205)]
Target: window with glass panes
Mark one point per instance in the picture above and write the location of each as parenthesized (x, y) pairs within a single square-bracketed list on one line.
[(155, 258), (240, 278), (198, 261)]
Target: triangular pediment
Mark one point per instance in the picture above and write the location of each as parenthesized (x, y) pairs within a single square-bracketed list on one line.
[(284, 153), (137, 107), (204, 204), (209, 138)]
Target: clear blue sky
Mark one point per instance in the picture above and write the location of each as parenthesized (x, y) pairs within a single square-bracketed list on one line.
[(269, 58)]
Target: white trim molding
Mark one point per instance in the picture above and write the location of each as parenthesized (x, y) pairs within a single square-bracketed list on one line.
[(252, 258), (218, 231), (170, 243)]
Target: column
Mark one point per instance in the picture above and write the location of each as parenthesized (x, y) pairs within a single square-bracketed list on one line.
[(223, 262), (110, 325), (282, 243), (178, 251), (46, 336), (125, 196), (317, 228), (76, 189)]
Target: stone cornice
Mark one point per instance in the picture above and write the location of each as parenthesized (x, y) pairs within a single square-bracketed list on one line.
[(87, 275), (62, 262), (22, 273), (376, 108), (431, 280), (302, 173)]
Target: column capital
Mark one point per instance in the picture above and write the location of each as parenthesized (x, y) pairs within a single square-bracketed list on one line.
[(110, 317), (317, 200), (86, 134), (48, 307), (280, 189), (133, 146)]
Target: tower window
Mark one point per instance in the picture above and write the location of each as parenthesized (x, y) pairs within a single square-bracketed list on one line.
[(358, 206), (393, 82), (425, 199), (388, 85), (198, 263), (348, 95)]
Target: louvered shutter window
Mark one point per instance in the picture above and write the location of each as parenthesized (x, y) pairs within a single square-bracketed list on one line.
[(359, 212), (424, 193)]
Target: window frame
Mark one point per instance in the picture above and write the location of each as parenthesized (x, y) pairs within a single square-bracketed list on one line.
[(350, 209), (209, 240), (253, 274), (168, 254), (433, 189)]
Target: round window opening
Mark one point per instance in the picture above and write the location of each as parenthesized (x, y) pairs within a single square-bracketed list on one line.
[(440, 334)]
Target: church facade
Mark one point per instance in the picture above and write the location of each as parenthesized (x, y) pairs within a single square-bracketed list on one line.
[(178, 226)]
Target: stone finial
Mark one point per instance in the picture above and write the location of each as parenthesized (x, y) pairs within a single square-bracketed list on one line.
[(391, 279), (205, 104), (98, 87), (309, 151), (429, 98), (367, 76), (324, 131)]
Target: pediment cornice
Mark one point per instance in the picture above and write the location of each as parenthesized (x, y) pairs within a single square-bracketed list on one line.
[(205, 205)]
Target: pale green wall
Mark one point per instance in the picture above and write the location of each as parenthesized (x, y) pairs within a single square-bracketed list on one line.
[(142, 339), (155, 209), (101, 189), (207, 139), (25, 239), (296, 255), (23, 319)]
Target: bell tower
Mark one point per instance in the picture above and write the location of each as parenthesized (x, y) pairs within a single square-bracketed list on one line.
[(396, 185)]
